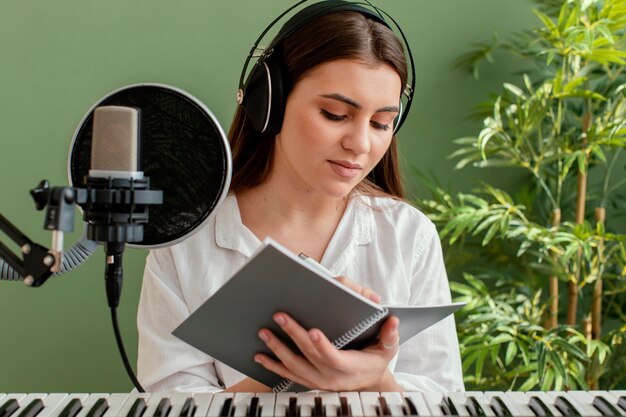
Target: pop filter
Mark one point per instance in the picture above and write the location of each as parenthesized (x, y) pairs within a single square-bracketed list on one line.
[(185, 154)]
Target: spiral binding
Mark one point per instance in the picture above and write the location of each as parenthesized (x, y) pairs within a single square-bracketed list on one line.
[(341, 341)]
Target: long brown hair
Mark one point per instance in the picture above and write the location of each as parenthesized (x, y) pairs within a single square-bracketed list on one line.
[(340, 35)]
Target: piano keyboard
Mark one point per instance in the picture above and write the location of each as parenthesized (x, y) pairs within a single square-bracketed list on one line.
[(315, 403)]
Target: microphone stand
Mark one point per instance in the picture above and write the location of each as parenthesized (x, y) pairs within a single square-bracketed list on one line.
[(39, 262), (115, 211)]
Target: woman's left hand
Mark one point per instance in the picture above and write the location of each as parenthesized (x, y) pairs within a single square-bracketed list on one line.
[(327, 368)]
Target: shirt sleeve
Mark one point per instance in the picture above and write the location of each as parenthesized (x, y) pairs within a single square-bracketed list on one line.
[(430, 361), (165, 363)]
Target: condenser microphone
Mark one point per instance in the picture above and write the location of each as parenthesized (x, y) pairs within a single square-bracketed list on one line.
[(116, 146), (116, 196)]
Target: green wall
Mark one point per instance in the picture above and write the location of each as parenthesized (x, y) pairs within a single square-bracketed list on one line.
[(57, 58)]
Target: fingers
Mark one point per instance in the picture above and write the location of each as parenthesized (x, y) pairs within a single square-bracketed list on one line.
[(300, 337), (364, 291), (389, 337)]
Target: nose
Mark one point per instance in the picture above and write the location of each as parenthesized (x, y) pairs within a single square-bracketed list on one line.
[(357, 138)]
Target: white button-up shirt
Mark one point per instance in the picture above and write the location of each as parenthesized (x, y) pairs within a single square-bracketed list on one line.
[(381, 243)]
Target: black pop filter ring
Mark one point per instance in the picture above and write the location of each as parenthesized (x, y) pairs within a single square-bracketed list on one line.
[(185, 152)]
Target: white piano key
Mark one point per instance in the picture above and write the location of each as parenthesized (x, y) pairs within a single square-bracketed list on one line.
[(395, 402), (369, 403), (9, 397), (241, 403), (418, 401), (433, 401), (482, 401), (51, 403), (266, 402), (354, 402), (459, 400), (611, 398), (52, 412), (217, 403), (177, 400), (516, 402), (545, 398), (203, 402), (579, 399), (306, 403), (116, 401), (130, 402), (153, 402), (281, 404), (29, 398), (89, 402), (330, 403)]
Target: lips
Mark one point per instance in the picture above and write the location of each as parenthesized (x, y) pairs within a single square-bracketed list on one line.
[(345, 169)]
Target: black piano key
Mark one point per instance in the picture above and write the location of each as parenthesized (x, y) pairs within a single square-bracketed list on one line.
[(9, 407), (499, 407), (99, 408), (539, 407), (253, 409), (344, 407), (474, 407), (384, 407), (138, 408), (189, 408), (72, 408), (622, 402), (410, 409), (32, 409), (605, 407), (226, 407), (565, 407), (448, 407), (318, 407), (292, 410), (163, 408)]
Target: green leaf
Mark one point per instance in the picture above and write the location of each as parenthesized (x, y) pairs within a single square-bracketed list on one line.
[(597, 151), (511, 351), (554, 31), (515, 90), (582, 163), (557, 363)]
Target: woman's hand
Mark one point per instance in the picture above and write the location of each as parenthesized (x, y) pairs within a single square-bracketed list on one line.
[(364, 291), (327, 368)]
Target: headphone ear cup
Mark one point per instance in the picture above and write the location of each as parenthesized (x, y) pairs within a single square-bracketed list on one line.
[(264, 97)]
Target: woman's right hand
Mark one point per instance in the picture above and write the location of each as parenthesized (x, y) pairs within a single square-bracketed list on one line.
[(364, 291)]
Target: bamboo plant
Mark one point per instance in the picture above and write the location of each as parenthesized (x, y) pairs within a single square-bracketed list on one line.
[(544, 268)]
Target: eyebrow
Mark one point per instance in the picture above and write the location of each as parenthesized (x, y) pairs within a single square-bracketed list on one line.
[(350, 102)]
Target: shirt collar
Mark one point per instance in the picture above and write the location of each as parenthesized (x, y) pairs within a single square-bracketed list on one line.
[(357, 226), (230, 232)]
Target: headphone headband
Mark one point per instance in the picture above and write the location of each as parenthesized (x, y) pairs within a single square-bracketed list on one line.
[(261, 93)]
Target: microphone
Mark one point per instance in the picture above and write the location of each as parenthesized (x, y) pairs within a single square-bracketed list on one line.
[(116, 194)]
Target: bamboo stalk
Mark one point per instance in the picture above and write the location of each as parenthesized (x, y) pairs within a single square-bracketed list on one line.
[(581, 196), (596, 309), (553, 320)]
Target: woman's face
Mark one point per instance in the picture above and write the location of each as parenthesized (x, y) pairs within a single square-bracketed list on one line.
[(338, 125)]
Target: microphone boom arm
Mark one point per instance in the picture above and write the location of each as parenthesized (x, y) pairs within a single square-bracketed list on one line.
[(37, 262)]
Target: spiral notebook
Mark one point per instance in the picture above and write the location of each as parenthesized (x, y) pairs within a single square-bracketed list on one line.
[(274, 279)]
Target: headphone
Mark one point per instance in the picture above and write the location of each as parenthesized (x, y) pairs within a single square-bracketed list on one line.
[(263, 94)]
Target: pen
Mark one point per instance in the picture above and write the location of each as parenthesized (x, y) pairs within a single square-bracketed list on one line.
[(316, 265)]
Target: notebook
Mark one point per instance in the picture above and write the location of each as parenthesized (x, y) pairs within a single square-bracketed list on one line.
[(226, 325)]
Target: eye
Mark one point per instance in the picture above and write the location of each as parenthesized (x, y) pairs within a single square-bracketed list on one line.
[(380, 126), (331, 116)]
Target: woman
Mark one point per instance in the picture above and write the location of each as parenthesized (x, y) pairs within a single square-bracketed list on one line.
[(326, 184)]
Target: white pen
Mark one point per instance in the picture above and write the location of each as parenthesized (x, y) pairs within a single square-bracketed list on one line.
[(320, 268)]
